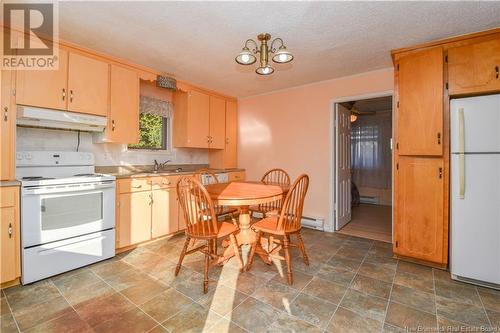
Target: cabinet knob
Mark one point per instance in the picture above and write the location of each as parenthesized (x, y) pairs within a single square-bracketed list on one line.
[(496, 71), (5, 113), (227, 141), (137, 186), (10, 230), (63, 94), (113, 125), (439, 138), (71, 95)]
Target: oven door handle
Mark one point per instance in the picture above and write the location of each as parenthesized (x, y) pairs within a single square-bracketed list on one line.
[(67, 188)]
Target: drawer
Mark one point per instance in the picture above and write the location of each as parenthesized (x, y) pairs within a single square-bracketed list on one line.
[(8, 196), (164, 182), (133, 185), (236, 176)]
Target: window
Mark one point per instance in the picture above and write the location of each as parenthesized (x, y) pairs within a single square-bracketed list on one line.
[(154, 124)]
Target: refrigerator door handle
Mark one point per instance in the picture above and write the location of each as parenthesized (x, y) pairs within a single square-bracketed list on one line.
[(461, 131), (461, 154)]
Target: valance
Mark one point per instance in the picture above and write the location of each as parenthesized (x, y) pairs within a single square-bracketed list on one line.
[(155, 106)]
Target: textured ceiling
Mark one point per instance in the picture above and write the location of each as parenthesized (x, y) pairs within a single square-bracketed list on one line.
[(197, 41)]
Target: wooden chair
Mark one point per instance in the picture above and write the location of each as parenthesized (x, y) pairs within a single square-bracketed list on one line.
[(202, 225), (275, 177), (288, 222), (219, 210)]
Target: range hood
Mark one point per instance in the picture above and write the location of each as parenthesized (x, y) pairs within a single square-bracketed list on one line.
[(38, 117)]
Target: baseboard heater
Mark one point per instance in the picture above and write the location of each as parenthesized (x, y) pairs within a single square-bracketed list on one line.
[(316, 223), (369, 200)]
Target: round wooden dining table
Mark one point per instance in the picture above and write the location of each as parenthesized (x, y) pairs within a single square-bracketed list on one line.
[(244, 194)]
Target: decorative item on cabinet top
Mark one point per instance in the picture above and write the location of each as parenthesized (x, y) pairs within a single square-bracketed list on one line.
[(166, 82)]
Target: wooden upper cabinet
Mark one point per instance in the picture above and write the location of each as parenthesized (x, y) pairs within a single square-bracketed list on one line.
[(227, 158), (191, 119), (88, 85), (217, 128), (474, 68), (420, 96), (7, 127), (419, 222), (44, 88), (123, 118)]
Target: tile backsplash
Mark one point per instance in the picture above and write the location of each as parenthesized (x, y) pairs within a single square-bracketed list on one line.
[(105, 153)]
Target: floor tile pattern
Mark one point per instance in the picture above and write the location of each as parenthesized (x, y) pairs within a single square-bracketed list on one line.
[(351, 285)]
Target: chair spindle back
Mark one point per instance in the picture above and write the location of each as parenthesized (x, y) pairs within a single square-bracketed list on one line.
[(274, 177), (291, 212), (197, 207), (201, 173)]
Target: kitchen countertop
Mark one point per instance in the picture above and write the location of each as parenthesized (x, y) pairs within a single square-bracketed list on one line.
[(5, 183), (145, 171)]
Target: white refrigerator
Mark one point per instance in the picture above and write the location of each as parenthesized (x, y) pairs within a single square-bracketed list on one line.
[(475, 190)]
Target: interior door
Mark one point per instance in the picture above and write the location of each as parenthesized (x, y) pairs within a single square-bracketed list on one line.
[(418, 211), (44, 88), (217, 122), (420, 97), (342, 166), (88, 85), (123, 120)]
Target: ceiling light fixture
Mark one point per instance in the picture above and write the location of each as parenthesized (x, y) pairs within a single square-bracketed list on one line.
[(280, 55)]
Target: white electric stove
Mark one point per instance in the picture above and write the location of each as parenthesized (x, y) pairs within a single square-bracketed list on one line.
[(67, 213)]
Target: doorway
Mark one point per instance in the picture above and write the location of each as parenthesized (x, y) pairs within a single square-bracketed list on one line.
[(363, 168)]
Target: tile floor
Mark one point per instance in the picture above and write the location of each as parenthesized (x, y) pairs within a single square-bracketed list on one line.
[(352, 285)]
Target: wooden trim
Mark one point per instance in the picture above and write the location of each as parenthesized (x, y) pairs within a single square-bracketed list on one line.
[(144, 72), (9, 284), (449, 42), (421, 262)]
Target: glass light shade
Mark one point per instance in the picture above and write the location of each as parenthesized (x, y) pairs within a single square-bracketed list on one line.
[(267, 70), (282, 56), (353, 117), (245, 57)]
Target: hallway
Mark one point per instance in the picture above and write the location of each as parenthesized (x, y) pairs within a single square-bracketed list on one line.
[(370, 221)]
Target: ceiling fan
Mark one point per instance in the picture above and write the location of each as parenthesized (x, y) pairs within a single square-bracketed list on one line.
[(355, 112)]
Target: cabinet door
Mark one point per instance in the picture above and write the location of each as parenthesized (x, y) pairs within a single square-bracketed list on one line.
[(7, 127), (164, 212), (419, 209), (474, 68), (420, 97), (217, 122), (198, 117), (44, 88), (230, 156), (134, 218), (236, 176), (88, 85), (8, 237), (123, 119)]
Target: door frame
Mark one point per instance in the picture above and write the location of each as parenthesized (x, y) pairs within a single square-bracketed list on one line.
[(333, 141)]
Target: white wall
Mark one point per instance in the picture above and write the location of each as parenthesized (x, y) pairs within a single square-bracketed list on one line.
[(105, 153)]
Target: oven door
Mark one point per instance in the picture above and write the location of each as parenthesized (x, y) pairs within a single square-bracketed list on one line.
[(52, 213)]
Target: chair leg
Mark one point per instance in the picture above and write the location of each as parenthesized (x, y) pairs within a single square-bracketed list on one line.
[(286, 248), (207, 262), (183, 253), (303, 249), (252, 251), (236, 250)]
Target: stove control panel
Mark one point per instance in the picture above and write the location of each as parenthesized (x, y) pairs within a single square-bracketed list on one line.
[(53, 158)]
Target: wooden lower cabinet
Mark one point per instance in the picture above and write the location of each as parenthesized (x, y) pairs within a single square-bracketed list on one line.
[(146, 208), (165, 212), (10, 256), (420, 227), (134, 218)]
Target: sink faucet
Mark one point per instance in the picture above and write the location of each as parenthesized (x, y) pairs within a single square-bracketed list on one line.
[(158, 166)]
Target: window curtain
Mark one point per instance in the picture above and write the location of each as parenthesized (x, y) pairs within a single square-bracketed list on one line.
[(370, 150), (155, 106)]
